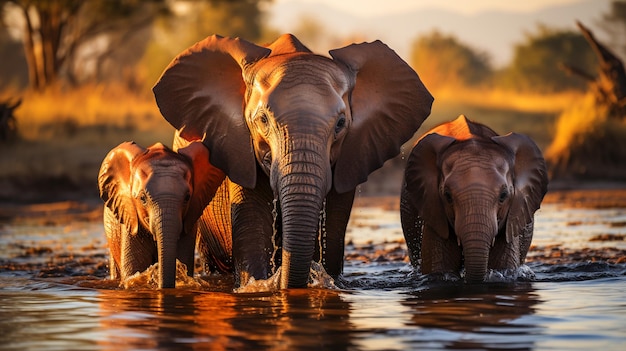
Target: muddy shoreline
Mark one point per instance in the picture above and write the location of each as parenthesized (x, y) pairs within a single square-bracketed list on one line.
[(79, 262), (57, 210)]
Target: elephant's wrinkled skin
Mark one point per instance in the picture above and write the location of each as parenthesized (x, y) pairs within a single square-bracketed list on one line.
[(153, 198), (286, 124), (469, 198)]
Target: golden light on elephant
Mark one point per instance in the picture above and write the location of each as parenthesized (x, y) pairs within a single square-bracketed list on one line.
[(469, 199), (153, 198), (289, 125)]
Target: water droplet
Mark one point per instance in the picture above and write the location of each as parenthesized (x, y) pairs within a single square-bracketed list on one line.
[(274, 235)]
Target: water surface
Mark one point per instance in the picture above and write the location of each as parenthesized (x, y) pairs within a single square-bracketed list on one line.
[(54, 295)]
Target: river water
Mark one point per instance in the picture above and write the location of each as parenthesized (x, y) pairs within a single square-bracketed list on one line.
[(55, 295)]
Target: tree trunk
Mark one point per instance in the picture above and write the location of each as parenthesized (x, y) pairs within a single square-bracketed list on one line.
[(29, 52), (610, 85)]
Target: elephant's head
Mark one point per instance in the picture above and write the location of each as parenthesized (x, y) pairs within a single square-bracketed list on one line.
[(162, 191), (476, 185), (296, 116)]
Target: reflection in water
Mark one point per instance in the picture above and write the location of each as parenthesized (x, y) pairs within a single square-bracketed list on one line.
[(167, 319), (435, 315), (480, 315), (54, 296), (34, 320)]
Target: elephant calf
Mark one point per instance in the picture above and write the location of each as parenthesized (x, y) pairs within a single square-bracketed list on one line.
[(153, 198), (469, 198)]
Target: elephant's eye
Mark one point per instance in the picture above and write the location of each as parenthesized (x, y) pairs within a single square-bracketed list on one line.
[(143, 198), (187, 197), (504, 194), (341, 123), (262, 122), (447, 195), (263, 119)]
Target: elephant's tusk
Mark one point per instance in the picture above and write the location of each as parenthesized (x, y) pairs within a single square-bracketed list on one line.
[(458, 241)]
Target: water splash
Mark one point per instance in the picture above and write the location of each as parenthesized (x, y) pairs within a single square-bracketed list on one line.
[(523, 273), (322, 235), (274, 236), (318, 278), (149, 279)]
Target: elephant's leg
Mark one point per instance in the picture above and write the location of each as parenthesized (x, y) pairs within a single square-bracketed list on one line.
[(113, 231), (329, 248), (525, 240), (412, 228), (504, 255), (254, 247), (114, 268), (215, 233), (440, 255), (138, 253)]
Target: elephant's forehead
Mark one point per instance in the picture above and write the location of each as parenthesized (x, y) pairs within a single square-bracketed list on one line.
[(472, 155), (163, 166), (291, 71)]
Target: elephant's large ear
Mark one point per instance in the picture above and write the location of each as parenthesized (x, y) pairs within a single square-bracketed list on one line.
[(388, 105), (421, 180), (114, 182), (530, 179), (206, 179), (201, 93)]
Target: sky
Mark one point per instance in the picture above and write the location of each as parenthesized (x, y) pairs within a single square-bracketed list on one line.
[(366, 8), (491, 26)]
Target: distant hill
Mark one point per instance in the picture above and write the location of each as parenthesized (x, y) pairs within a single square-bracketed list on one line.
[(495, 32)]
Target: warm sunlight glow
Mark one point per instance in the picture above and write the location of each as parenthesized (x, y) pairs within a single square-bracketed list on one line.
[(368, 8)]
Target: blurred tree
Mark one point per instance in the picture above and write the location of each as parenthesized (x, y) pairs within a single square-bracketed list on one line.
[(590, 139), (53, 31), (535, 64), (443, 60), (13, 71), (195, 20), (71, 39), (614, 24)]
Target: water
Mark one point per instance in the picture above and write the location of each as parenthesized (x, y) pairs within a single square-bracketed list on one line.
[(54, 295)]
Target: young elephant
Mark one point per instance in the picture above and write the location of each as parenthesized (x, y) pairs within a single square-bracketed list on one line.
[(469, 198), (153, 198)]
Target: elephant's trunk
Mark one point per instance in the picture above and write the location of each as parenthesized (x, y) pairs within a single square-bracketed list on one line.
[(476, 227), (167, 227), (476, 259), (301, 186)]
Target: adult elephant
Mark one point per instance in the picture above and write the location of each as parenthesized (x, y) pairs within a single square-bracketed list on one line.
[(469, 198), (286, 124)]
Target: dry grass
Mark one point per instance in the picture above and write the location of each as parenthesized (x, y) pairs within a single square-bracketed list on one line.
[(65, 134), (48, 115), (588, 143), (504, 111), (500, 99), (581, 118)]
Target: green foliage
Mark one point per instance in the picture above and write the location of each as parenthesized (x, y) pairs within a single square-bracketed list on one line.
[(443, 60), (536, 61), (194, 21), (103, 40)]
